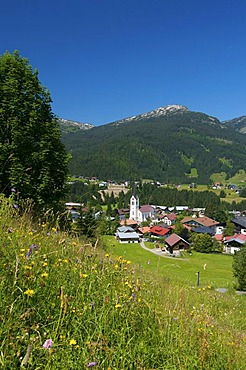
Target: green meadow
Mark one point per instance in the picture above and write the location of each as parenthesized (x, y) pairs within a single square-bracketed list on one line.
[(215, 269), (67, 303)]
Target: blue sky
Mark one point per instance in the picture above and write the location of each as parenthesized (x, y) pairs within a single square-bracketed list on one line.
[(104, 60)]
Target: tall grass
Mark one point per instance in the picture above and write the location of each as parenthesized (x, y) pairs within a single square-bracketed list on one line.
[(68, 305)]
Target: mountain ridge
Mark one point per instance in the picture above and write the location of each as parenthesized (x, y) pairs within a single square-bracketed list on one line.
[(169, 144), (238, 123)]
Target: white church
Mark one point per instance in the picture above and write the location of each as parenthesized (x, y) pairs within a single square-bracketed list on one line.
[(138, 213)]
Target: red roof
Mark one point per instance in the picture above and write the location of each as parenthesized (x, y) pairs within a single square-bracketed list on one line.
[(158, 230), (205, 221), (145, 209), (238, 236), (128, 222), (174, 239), (219, 237), (144, 229), (171, 216)]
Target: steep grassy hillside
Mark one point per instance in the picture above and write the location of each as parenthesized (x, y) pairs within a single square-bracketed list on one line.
[(67, 304)]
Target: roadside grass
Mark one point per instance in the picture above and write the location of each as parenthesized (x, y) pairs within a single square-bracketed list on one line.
[(66, 304)]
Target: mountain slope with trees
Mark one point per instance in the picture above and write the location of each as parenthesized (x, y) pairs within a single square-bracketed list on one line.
[(238, 124), (170, 144)]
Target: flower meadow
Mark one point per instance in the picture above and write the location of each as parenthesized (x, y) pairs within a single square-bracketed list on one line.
[(66, 304)]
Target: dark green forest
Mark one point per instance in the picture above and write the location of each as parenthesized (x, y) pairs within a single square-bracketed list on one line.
[(170, 149)]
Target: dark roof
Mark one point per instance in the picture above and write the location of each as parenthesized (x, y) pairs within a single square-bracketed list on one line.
[(202, 230), (240, 221), (123, 211)]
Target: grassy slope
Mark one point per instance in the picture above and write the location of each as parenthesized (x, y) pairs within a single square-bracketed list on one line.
[(111, 312), (230, 194), (218, 272)]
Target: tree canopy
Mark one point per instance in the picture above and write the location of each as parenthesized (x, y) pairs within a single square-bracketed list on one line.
[(33, 161), (239, 268)]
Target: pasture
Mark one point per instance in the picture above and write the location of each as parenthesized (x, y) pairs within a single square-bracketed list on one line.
[(183, 270)]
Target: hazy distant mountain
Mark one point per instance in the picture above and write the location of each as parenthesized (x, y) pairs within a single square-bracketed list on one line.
[(169, 144), (72, 126), (238, 124)]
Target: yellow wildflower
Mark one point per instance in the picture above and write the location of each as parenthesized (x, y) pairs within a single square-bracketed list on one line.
[(128, 262), (26, 267), (72, 342), (29, 292), (118, 305), (45, 274), (44, 264), (83, 275)]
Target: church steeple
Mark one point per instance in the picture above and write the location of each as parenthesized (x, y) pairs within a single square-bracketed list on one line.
[(134, 204)]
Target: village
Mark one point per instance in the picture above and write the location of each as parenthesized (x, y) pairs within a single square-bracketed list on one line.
[(162, 227), (173, 229)]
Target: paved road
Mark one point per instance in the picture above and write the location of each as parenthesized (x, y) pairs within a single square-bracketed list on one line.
[(156, 251), (159, 252)]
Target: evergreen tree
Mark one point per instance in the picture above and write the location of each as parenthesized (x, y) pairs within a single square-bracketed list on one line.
[(229, 229), (33, 160)]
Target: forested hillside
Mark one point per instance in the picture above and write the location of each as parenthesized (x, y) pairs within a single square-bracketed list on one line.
[(238, 124), (169, 146)]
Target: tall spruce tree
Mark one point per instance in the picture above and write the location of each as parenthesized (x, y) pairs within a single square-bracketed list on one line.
[(33, 160)]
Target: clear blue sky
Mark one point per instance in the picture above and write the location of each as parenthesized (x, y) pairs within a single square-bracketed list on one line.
[(104, 60)]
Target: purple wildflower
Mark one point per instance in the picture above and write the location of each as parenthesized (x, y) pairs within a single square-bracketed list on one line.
[(13, 190), (133, 296), (48, 344), (32, 247), (16, 206), (9, 230), (93, 363)]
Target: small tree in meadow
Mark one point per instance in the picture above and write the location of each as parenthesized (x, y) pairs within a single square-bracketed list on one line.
[(204, 243), (239, 267)]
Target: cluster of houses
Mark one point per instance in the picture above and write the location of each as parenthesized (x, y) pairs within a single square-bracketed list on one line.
[(162, 226)]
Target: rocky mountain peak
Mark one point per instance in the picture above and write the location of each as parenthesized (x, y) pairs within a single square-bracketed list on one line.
[(158, 112)]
